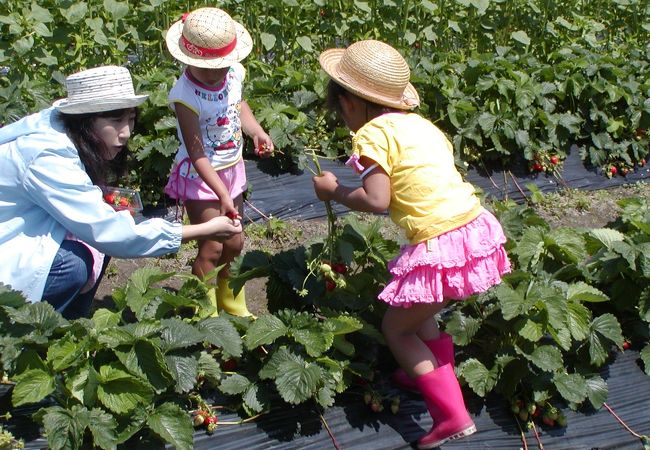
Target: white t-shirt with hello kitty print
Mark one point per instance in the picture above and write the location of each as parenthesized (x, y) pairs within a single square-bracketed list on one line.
[(218, 109)]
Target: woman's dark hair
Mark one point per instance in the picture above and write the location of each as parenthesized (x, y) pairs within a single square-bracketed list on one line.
[(80, 130)]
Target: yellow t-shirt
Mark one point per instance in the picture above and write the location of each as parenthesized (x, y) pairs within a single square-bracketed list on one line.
[(428, 195)]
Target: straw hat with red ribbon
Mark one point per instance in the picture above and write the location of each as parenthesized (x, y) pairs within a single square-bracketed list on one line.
[(208, 38), (374, 71)]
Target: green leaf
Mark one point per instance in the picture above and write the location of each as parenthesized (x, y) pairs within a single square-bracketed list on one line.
[(298, 382), (512, 302), (579, 319), (645, 357), (209, 367), (32, 386), (121, 392), (148, 361), (547, 358), (173, 424), (572, 387), (83, 384), (343, 345), (582, 292), (520, 36), (178, 334), (305, 43), (608, 326), (597, 391), (234, 384), (118, 10), (102, 425), (478, 377), (463, 328), (104, 319), (268, 40), (76, 12), (251, 399), (63, 430), (280, 356), (265, 330), (40, 316), (342, 324), (220, 332), (184, 369), (64, 352), (315, 340), (531, 330)]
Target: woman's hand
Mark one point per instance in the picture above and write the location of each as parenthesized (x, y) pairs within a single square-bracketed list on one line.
[(263, 145), (325, 184), (223, 228), (219, 228)]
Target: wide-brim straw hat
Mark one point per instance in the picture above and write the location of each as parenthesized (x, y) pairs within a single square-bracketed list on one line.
[(208, 38), (104, 88), (374, 71)]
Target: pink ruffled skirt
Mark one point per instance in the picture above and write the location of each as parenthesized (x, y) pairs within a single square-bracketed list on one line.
[(455, 265)]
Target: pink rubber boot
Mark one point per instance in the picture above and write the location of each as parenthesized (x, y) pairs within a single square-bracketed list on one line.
[(445, 403), (442, 348)]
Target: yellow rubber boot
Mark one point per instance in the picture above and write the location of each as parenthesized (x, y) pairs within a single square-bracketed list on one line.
[(212, 296), (226, 300)]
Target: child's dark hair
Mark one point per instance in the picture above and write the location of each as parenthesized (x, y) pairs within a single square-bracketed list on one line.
[(79, 128), (335, 90)]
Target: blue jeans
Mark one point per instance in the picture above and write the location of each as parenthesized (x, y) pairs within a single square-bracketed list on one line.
[(71, 268)]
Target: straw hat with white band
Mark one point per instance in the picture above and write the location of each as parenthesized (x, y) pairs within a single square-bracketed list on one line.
[(105, 88), (374, 71), (208, 38)]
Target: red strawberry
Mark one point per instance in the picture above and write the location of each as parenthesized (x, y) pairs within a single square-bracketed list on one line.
[(626, 345), (232, 215), (548, 421), (330, 285), (613, 170), (229, 365), (110, 198), (124, 201), (555, 159), (642, 163), (340, 268), (376, 407), (537, 167)]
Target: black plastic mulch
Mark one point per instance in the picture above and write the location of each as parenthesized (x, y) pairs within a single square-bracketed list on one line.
[(353, 426), (291, 195)]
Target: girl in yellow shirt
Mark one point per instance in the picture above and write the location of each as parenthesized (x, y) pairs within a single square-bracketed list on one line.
[(456, 247)]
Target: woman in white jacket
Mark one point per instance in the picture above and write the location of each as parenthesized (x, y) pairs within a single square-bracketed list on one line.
[(55, 227)]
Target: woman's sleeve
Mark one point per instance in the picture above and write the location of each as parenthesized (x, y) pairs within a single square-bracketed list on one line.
[(56, 182)]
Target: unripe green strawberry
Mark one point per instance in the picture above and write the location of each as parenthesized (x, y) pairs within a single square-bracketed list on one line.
[(523, 415), (394, 408), (561, 420), (367, 398), (553, 413)]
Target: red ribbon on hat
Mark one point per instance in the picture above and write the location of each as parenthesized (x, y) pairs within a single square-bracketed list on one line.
[(205, 51)]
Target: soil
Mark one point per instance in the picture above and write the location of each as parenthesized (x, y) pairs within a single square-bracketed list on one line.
[(570, 208)]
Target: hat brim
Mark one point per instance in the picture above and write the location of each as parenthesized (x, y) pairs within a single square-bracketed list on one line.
[(329, 61), (98, 105), (241, 50)]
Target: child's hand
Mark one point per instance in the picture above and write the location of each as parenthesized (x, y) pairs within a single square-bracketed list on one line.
[(263, 145), (325, 185), (229, 210)]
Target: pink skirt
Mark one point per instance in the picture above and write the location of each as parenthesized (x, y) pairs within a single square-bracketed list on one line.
[(455, 265), (185, 188)]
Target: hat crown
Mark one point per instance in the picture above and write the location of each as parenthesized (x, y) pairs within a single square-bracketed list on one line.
[(107, 82), (210, 28), (377, 67)]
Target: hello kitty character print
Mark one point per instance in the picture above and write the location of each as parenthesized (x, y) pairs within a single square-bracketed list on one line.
[(218, 109)]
